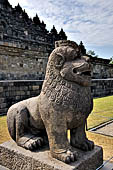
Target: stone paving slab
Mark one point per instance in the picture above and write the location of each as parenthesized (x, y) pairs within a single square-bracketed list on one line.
[(106, 130), (108, 166)]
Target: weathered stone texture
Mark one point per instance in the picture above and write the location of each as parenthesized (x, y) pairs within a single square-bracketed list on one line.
[(20, 64), (17, 158)]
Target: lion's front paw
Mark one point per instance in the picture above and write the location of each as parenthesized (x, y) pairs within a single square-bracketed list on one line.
[(86, 145), (31, 143), (34, 143), (67, 156)]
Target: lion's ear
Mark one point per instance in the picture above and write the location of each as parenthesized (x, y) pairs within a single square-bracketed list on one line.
[(59, 60)]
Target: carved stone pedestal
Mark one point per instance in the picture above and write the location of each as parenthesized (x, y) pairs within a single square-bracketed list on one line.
[(17, 158)]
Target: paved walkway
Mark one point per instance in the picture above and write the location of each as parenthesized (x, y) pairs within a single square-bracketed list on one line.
[(106, 130), (108, 166)]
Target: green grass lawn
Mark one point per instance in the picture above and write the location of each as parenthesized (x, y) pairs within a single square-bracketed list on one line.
[(4, 135), (102, 111)]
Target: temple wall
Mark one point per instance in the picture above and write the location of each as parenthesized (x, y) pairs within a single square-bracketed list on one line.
[(101, 68), (23, 64), (14, 91)]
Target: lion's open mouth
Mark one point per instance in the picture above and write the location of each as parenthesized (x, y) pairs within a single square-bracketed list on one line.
[(86, 73), (83, 73)]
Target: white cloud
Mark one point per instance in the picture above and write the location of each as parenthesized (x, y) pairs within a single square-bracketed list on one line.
[(15, 2)]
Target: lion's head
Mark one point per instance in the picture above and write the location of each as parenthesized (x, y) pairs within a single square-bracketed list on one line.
[(66, 61)]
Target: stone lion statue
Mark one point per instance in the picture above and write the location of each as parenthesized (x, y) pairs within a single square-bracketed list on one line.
[(64, 103)]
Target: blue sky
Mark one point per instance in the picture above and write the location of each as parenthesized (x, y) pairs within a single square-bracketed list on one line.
[(90, 21)]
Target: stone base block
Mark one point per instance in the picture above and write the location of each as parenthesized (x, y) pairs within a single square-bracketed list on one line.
[(17, 158)]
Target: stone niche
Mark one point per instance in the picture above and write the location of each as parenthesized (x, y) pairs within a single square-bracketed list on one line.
[(18, 158)]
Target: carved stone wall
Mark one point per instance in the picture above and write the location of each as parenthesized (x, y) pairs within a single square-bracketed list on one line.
[(17, 63), (17, 27), (101, 68), (21, 64), (25, 44)]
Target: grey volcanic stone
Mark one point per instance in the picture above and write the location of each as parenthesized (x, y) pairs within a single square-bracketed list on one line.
[(64, 103), (16, 158)]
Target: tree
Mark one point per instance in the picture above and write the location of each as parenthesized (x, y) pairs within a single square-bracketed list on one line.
[(111, 60), (92, 53)]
